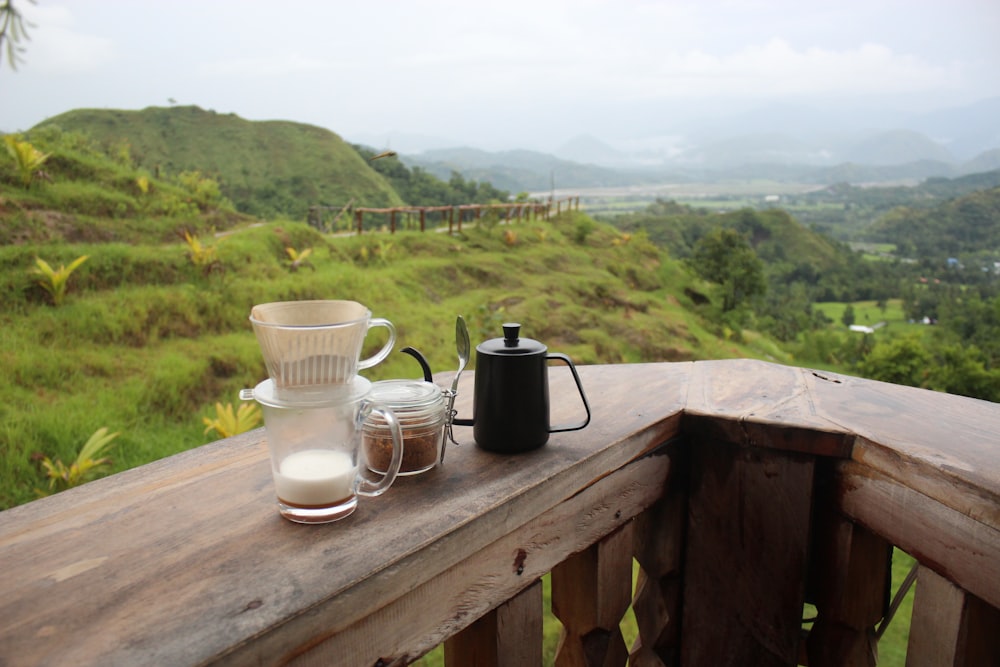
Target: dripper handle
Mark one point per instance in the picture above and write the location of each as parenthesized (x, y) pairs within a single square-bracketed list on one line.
[(379, 356)]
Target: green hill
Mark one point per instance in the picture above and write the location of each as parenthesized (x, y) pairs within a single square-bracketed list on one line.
[(968, 224), (774, 234), (266, 168)]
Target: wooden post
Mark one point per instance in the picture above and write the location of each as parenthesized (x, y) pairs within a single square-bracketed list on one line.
[(591, 591), (358, 213), (509, 636), (950, 626), (392, 221), (336, 218), (423, 219), (747, 546)]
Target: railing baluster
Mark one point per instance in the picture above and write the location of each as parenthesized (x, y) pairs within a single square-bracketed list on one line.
[(659, 547), (851, 582), (508, 636), (950, 627), (591, 591)]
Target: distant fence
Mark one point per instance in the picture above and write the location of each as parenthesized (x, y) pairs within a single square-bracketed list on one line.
[(411, 216)]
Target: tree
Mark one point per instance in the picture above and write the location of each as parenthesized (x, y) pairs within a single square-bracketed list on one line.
[(904, 360), (724, 257), (12, 31), (848, 317)]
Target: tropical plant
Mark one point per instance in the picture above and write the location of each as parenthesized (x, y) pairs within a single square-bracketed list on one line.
[(201, 255), (54, 281), (28, 158), (83, 469), (298, 259), (229, 422)]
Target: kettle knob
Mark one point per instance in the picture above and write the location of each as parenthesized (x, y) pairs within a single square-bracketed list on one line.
[(511, 331)]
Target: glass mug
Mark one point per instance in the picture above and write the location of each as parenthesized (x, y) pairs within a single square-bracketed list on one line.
[(317, 461), (316, 343)]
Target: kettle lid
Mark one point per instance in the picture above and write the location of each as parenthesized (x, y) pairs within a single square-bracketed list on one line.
[(511, 344)]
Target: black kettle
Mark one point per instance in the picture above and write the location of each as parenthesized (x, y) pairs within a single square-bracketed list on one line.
[(510, 408)]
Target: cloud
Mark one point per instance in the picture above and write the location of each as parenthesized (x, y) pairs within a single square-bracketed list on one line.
[(774, 67), (57, 47)]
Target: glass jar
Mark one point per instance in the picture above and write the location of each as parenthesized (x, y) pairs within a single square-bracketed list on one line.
[(421, 409)]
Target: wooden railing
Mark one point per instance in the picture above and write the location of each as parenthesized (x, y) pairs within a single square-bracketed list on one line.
[(454, 216), (744, 490)]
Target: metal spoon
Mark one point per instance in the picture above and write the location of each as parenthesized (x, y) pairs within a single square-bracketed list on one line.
[(464, 348)]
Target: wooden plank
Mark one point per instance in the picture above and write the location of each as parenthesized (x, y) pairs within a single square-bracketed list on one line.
[(180, 561), (955, 545), (949, 627), (745, 564), (508, 636), (761, 405), (446, 604)]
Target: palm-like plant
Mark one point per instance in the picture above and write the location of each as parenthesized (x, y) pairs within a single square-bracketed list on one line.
[(298, 259), (28, 158), (54, 280), (228, 422), (84, 468)]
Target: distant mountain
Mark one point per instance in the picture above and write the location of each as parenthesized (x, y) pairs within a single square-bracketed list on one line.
[(519, 170), (966, 131), (782, 142), (983, 162), (266, 168), (587, 149), (754, 149), (897, 147)]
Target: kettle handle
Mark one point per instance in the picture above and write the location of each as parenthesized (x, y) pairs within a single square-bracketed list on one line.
[(571, 427)]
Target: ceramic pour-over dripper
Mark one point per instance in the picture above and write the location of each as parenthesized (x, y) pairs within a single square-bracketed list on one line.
[(316, 343)]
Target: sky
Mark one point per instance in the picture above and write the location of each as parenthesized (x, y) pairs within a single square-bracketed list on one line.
[(497, 75)]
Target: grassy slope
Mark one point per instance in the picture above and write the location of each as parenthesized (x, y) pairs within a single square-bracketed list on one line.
[(148, 355)]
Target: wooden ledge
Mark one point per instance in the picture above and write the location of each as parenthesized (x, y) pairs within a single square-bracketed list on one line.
[(186, 561)]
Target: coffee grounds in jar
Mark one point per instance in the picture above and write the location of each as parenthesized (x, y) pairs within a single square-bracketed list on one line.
[(421, 447)]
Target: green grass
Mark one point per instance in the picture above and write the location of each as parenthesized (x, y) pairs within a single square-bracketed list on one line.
[(868, 313)]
